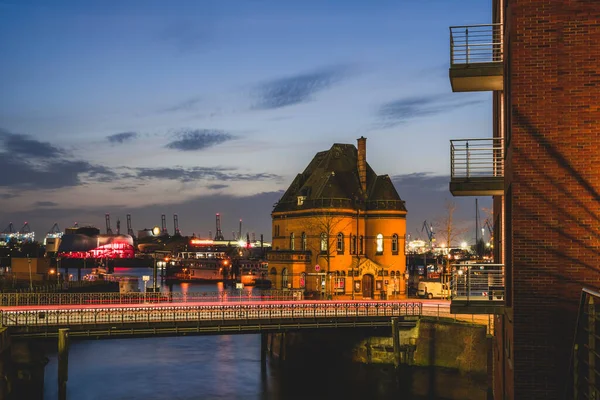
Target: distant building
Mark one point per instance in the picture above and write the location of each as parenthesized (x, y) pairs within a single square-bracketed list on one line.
[(339, 228)]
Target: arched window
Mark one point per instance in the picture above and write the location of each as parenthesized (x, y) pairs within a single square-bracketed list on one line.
[(395, 243), (323, 242), (292, 240), (379, 243), (273, 271), (353, 244), (303, 241), (340, 242), (361, 244), (284, 278)]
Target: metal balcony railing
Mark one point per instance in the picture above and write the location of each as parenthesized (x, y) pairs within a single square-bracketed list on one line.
[(584, 379), (478, 282), (475, 44), (477, 158)]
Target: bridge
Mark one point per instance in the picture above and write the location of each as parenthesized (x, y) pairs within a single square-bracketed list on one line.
[(130, 320)]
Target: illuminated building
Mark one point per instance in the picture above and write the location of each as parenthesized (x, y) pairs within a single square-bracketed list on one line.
[(339, 229)]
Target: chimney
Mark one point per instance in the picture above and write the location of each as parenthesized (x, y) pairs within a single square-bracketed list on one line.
[(361, 163)]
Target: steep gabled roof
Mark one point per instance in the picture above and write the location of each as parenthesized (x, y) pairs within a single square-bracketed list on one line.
[(332, 178)]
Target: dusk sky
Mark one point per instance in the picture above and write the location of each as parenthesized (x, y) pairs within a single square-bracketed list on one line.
[(155, 107)]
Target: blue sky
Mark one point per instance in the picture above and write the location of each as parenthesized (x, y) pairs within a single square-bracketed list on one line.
[(197, 107)]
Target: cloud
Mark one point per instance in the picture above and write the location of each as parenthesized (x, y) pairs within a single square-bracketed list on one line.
[(198, 173), (53, 174), (6, 196), (296, 89), (45, 204), (122, 137), (424, 181), (23, 145), (409, 108), (199, 139), (186, 105), (125, 187), (40, 165), (216, 186)]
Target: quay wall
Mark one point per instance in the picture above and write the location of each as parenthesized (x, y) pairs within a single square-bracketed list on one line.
[(442, 343)]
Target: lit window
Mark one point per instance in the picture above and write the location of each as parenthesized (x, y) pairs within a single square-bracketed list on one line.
[(303, 241), (360, 244), (353, 244), (395, 243), (284, 278), (323, 242), (379, 243), (292, 240), (301, 200), (340, 242)]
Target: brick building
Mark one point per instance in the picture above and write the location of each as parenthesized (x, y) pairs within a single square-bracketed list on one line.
[(541, 60), (339, 229)]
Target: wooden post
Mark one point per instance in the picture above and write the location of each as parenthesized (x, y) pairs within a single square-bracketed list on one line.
[(396, 341), (263, 349), (63, 363)]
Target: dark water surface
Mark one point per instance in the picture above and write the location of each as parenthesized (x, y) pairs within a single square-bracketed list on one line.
[(228, 367)]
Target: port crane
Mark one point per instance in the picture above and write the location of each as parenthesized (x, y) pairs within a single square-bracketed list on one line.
[(429, 230), (107, 219), (129, 228)]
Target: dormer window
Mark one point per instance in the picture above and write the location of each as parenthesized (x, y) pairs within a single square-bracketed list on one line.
[(301, 200)]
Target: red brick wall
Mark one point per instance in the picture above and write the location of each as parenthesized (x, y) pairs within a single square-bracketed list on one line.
[(553, 169)]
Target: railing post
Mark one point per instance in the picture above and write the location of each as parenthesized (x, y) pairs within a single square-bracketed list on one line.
[(468, 158), (468, 283), (467, 50)]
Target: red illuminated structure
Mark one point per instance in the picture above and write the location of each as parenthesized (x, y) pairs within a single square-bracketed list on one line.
[(90, 244)]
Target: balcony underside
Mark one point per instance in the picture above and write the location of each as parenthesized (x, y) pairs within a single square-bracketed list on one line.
[(477, 77), (488, 186), (476, 306)]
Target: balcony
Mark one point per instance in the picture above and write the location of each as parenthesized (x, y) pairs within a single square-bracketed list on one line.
[(476, 58), (477, 289), (477, 167)]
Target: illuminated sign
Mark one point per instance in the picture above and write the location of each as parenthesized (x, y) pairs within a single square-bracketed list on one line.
[(201, 241)]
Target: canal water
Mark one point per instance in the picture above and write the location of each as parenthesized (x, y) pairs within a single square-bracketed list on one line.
[(228, 367)]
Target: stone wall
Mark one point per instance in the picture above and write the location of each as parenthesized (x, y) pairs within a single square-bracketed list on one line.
[(437, 343)]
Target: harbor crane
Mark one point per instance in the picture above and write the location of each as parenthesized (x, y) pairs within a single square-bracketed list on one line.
[(176, 225), (107, 219), (429, 230), (129, 228), (163, 221)]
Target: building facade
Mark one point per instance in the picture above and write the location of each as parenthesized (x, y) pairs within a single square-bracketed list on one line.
[(340, 229), (541, 61)]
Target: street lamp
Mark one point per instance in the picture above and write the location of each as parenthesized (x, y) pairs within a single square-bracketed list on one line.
[(30, 279)]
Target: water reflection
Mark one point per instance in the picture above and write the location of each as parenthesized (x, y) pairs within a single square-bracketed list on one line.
[(228, 367)]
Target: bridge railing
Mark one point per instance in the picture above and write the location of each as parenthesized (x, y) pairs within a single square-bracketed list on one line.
[(584, 377), (160, 313), (40, 299)]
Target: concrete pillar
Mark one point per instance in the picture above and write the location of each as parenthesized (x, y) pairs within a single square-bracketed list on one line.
[(396, 341), (27, 371), (63, 363)]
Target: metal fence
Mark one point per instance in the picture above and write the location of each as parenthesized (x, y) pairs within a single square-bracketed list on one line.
[(442, 310), (475, 44), (478, 282), (584, 380), (122, 315), (477, 158), (37, 299)]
